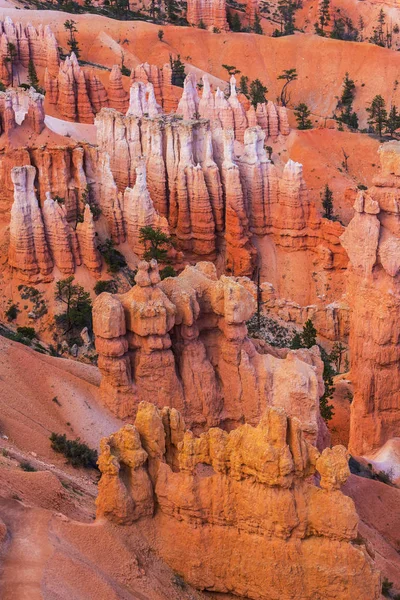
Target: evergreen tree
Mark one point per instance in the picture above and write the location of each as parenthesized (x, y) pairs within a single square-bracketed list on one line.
[(377, 114), (244, 85), (257, 28), (287, 10), (327, 203), (345, 104), (302, 114), (393, 120), (69, 25), (156, 242), (234, 22), (77, 303), (32, 75), (336, 356), (10, 58), (323, 18), (160, 35), (287, 76), (178, 70), (232, 70), (309, 335), (257, 92)]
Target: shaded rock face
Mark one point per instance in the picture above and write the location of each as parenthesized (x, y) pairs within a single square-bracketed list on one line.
[(212, 13), (197, 183), (38, 45), (184, 340), (41, 238), (238, 512), (161, 79), (372, 241), (18, 106)]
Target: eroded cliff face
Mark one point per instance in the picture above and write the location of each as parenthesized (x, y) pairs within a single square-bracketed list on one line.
[(36, 44), (372, 241), (185, 339), (248, 495), (42, 237), (211, 13)]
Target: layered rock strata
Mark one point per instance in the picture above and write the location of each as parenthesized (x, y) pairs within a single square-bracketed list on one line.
[(185, 340), (223, 510), (211, 13), (38, 45), (230, 113), (78, 94), (41, 238), (18, 106), (191, 170), (161, 79), (372, 242)]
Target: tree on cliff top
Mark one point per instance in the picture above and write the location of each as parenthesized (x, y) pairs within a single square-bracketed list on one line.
[(257, 92), (69, 25), (287, 76), (323, 17), (302, 113)]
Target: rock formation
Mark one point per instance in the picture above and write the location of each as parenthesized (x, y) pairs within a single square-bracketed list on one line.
[(213, 374), (28, 251), (372, 242), (78, 94), (248, 494), (38, 45), (61, 238), (161, 79), (86, 233), (118, 98), (18, 106), (139, 211), (211, 13), (191, 168)]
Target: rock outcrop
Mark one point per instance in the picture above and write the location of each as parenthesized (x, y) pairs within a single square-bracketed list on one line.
[(161, 79), (18, 106), (38, 45), (372, 242), (191, 167), (78, 94), (184, 340), (210, 13), (28, 250), (118, 98), (248, 494)]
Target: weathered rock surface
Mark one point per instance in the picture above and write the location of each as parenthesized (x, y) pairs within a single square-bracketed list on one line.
[(372, 241), (212, 13), (28, 251), (184, 341), (38, 45), (246, 494)]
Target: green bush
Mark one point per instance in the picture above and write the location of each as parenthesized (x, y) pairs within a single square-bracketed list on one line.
[(26, 466), (386, 586), (27, 332), (109, 285), (76, 452), (12, 312), (113, 258), (168, 271)]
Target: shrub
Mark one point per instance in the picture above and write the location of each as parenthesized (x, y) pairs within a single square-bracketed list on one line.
[(386, 586), (168, 271), (26, 466), (109, 285), (27, 332), (113, 258), (76, 452), (12, 312)]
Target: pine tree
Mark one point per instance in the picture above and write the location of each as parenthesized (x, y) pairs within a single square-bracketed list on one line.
[(302, 114), (257, 28), (156, 242), (178, 70), (257, 92), (287, 76), (32, 75), (393, 120), (69, 25), (309, 335), (377, 114), (324, 17), (244, 85), (327, 203)]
